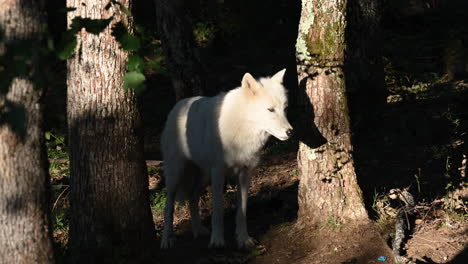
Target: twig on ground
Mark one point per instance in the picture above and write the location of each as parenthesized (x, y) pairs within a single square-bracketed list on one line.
[(60, 195)]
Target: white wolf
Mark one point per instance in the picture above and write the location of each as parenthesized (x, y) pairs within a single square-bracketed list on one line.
[(210, 138)]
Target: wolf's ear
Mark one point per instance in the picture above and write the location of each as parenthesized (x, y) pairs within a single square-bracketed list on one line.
[(249, 84), (279, 76)]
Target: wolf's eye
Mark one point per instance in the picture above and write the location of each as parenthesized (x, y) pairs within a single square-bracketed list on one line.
[(271, 109)]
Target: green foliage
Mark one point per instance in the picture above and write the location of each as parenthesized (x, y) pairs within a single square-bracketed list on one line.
[(60, 221), (56, 147), (127, 41), (295, 172), (204, 33), (134, 80), (67, 46), (155, 65), (158, 201), (448, 168), (135, 63)]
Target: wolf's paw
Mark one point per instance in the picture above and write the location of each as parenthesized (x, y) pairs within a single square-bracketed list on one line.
[(167, 242), (217, 242), (245, 242), (201, 231)]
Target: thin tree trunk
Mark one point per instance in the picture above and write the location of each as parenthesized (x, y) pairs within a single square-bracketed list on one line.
[(328, 190), (24, 224), (110, 214), (176, 32)]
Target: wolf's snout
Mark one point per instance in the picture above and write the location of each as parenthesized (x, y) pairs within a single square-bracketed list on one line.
[(289, 132)]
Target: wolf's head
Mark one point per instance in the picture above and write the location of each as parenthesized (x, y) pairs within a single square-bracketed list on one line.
[(267, 102)]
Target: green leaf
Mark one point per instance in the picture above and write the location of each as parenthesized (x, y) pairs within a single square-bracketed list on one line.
[(129, 42), (47, 135), (156, 66), (135, 63), (66, 49), (134, 80)]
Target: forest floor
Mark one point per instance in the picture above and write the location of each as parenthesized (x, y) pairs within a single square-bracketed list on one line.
[(421, 143)]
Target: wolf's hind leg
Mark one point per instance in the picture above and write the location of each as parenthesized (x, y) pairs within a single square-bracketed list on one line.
[(197, 228), (172, 173)]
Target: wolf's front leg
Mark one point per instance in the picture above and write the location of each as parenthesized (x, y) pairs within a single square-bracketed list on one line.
[(243, 238), (217, 226)]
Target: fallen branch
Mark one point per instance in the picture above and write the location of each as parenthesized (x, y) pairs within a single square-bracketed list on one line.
[(58, 198), (400, 227)]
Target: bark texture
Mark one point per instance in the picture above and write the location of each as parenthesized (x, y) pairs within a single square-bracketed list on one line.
[(110, 214), (176, 32), (24, 226), (328, 189), (363, 65)]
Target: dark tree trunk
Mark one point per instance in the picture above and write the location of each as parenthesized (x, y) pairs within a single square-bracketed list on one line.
[(110, 214), (176, 32), (24, 226), (363, 65), (337, 64)]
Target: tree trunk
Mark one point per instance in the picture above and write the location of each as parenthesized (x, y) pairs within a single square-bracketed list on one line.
[(176, 32), (363, 65), (328, 190), (24, 224), (110, 214)]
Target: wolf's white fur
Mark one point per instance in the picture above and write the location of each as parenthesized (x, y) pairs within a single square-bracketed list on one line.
[(218, 137)]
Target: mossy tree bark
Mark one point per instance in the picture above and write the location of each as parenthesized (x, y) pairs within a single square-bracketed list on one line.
[(24, 226), (110, 215), (176, 32), (328, 43)]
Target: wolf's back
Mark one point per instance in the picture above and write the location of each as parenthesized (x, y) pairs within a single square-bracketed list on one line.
[(192, 130)]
